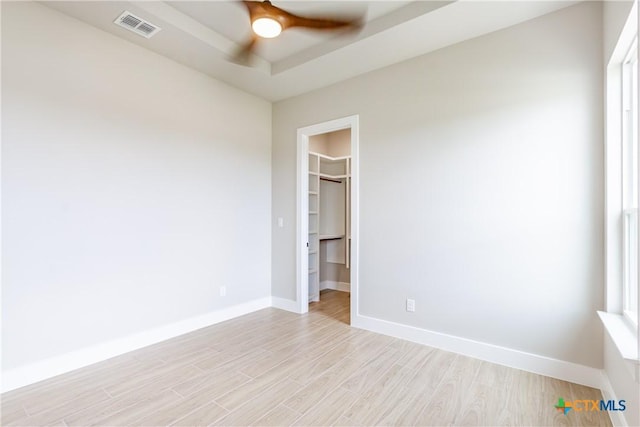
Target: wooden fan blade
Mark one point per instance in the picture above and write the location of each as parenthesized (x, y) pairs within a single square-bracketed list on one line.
[(253, 7), (288, 20), (319, 23), (243, 55)]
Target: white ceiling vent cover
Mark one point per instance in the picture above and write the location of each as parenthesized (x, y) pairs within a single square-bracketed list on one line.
[(136, 24)]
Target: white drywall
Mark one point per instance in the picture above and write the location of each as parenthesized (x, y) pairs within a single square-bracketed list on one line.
[(132, 189), (481, 186)]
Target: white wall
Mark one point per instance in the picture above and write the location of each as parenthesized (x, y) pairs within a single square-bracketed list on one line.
[(132, 188), (481, 186)]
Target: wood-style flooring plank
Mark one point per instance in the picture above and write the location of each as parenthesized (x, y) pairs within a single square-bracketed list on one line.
[(213, 383), (328, 411), (11, 412), (94, 414), (65, 407), (173, 411), (139, 410), (488, 398), (203, 416), (322, 386), (256, 407), (369, 373), (159, 380), (375, 403), (447, 400), (278, 416)]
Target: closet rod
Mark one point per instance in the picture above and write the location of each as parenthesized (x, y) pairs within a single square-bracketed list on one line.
[(330, 180)]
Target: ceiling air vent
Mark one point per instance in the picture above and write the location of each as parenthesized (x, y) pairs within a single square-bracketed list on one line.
[(136, 24)]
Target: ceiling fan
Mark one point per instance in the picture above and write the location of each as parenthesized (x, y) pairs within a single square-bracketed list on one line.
[(268, 21)]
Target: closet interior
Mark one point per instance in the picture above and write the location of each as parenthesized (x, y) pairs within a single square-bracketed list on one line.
[(329, 215)]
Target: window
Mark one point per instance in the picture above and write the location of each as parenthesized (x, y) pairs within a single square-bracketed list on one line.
[(622, 194), (630, 187)]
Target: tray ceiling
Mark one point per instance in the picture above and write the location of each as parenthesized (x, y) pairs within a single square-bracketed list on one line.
[(202, 35)]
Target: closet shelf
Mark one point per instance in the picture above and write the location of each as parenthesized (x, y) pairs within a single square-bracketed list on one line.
[(326, 175), (331, 236), (313, 252), (313, 213), (314, 193), (324, 156)]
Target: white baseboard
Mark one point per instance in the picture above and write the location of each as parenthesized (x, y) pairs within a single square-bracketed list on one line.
[(542, 365), (48, 368), (336, 286), (285, 304), (617, 417)]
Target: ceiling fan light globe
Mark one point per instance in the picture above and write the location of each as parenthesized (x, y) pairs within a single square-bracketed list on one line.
[(266, 27)]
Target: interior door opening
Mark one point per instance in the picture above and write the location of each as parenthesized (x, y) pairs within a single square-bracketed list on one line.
[(327, 217)]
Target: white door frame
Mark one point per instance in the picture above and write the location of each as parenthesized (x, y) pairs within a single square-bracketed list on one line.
[(302, 258)]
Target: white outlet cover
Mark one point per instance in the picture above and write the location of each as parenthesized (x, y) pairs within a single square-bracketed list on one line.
[(223, 291), (411, 305)]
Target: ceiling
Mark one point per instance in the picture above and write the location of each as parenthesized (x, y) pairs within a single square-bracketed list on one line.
[(203, 34)]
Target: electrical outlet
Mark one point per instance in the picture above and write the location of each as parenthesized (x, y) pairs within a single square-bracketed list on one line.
[(223, 291), (280, 222), (411, 305)]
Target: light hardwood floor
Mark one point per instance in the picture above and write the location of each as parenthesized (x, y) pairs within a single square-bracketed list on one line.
[(275, 368)]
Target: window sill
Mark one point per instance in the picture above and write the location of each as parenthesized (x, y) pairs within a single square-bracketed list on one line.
[(624, 337)]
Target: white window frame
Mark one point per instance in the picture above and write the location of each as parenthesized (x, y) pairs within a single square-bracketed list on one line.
[(630, 269), (630, 184), (620, 215)]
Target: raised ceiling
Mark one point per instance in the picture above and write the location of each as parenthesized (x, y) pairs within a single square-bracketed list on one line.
[(203, 34)]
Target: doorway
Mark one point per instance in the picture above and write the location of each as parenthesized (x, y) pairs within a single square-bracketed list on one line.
[(327, 175)]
